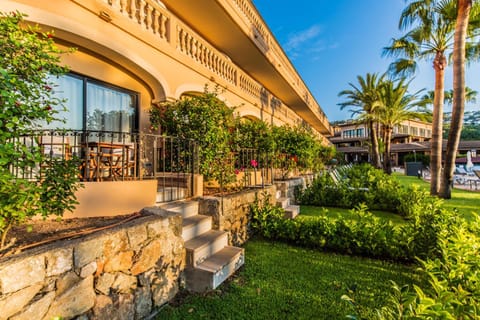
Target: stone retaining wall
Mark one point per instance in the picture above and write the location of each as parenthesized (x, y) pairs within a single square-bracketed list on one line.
[(230, 213), (289, 186), (120, 273)]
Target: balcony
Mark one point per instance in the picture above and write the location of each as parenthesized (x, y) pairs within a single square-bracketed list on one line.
[(227, 41), (254, 50)]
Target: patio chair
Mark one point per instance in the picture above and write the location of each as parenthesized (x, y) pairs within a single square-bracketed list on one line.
[(473, 180), (337, 178)]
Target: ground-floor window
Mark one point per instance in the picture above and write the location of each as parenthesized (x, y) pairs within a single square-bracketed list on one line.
[(95, 105)]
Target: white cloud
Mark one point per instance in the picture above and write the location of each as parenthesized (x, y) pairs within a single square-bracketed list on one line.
[(308, 42), (295, 41)]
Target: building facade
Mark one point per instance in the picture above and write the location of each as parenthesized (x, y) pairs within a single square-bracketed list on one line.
[(132, 54), (352, 140)]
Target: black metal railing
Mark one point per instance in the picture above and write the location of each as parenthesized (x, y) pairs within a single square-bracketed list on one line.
[(173, 162), (257, 166), (114, 156)]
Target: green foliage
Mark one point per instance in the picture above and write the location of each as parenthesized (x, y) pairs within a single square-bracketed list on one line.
[(208, 121), (59, 185), (419, 157), (453, 291), (364, 234), (28, 60), (358, 184), (254, 135), (298, 148), (281, 281)]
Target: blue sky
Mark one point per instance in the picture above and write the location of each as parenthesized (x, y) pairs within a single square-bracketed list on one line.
[(330, 42)]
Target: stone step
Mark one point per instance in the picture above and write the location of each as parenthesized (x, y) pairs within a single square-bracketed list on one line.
[(278, 194), (283, 202), (209, 274), (291, 211), (170, 194), (196, 225), (185, 208), (205, 245)]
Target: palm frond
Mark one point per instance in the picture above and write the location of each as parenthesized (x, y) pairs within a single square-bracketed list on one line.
[(403, 68)]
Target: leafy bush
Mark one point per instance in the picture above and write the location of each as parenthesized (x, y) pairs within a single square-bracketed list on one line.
[(366, 236), (423, 158), (28, 60), (207, 120), (363, 184), (454, 291), (302, 149)]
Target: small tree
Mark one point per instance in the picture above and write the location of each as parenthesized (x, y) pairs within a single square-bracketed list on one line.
[(208, 121), (300, 147), (28, 60)]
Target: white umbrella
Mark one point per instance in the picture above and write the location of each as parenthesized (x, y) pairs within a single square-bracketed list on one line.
[(469, 165)]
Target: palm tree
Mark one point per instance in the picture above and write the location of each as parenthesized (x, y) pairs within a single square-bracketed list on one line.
[(463, 14), (427, 99), (362, 100), (431, 24), (394, 107)]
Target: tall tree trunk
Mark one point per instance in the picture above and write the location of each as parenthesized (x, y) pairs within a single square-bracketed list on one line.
[(439, 65), (374, 143), (387, 165), (458, 106)]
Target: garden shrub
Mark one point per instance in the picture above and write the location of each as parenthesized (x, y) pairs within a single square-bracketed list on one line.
[(454, 281), (207, 120), (363, 184), (29, 59), (366, 236)]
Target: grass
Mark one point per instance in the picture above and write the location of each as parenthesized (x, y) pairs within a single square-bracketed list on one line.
[(280, 281), (464, 201), (341, 213)]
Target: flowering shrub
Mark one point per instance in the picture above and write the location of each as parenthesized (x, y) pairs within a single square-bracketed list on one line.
[(207, 120)]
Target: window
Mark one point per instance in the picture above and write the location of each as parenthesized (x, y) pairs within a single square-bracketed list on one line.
[(93, 105)]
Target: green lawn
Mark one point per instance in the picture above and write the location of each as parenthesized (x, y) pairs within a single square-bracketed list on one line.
[(341, 213), (281, 281), (464, 201)]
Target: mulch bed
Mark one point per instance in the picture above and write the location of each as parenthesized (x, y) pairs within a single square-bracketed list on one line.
[(37, 232)]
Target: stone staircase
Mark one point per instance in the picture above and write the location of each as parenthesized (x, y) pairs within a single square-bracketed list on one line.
[(283, 201), (209, 258), (167, 194)]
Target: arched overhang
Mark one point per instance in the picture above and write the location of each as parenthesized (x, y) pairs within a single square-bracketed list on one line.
[(250, 112), (72, 32), (188, 89)]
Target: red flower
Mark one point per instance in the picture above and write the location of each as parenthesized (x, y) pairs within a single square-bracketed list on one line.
[(253, 163), (47, 88), (48, 108), (237, 171), (49, 35)]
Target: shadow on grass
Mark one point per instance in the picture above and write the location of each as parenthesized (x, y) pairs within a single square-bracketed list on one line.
[(280, 281)]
